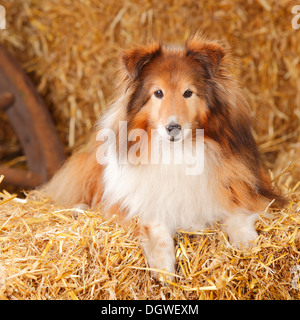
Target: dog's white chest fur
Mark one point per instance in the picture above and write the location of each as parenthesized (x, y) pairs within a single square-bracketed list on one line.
[(162, 193)]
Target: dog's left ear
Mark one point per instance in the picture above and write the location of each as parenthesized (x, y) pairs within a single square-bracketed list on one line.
[(134, 60), (208, 54)]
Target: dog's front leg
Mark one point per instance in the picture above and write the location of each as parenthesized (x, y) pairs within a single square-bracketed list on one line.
[(158, 245)]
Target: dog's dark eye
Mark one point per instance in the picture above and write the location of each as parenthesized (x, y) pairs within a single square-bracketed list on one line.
[(188, 94), (158, 94)]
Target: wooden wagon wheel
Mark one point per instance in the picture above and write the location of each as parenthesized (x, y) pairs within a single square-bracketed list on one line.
[(32, 123)]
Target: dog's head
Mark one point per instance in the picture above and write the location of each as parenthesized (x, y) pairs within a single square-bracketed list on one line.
[(171, 85)]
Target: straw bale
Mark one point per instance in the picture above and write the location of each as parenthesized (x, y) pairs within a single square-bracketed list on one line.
[(48, 252), (70, 49)]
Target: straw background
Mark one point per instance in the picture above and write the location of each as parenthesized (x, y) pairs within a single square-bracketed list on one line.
[(69, 49)]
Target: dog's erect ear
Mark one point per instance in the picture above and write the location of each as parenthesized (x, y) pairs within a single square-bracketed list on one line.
[(135, 59), (208, 54)]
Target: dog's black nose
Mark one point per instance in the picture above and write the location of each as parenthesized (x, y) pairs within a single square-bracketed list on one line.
[(173, 129)]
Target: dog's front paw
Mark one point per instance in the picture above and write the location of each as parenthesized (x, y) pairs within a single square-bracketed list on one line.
[(162, 267), (243, 239), (241, 229), (158, 246)]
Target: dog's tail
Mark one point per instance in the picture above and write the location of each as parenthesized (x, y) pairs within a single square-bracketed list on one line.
[(77, 182), (266, 189)]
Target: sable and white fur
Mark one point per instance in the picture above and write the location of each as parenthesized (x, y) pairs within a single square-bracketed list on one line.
[(232, 188)]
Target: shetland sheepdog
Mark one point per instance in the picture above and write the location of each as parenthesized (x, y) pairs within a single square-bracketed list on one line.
[(172, 92)]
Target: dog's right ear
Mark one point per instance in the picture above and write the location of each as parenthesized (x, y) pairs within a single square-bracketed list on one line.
[(135, 59)]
